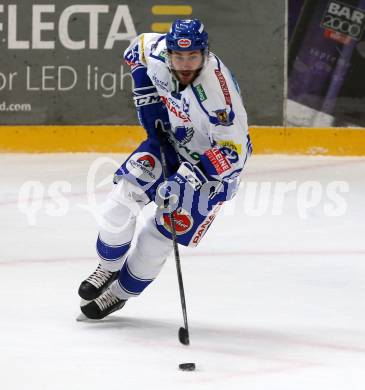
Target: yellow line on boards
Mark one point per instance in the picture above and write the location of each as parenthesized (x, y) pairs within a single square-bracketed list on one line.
[(47, 139), (332, 141), (124, 139)]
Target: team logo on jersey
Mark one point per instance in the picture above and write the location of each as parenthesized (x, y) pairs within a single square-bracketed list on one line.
[(132, 56), (184, 43), (147, 161), (183, 134), (144, 166), (230, 154), (223, 117), (183, 221)]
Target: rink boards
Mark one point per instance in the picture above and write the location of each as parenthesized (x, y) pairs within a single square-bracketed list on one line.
[(124, 139)]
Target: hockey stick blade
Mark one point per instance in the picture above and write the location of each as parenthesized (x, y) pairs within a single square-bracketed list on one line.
[(184, 336)]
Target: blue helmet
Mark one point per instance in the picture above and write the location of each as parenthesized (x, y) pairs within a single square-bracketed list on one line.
[(187, 35)]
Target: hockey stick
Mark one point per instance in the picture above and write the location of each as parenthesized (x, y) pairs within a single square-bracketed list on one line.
[(183, 331)]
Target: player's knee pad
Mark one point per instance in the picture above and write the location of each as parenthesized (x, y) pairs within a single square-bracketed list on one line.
[(129, 194), (117, 222), (117, 217), (151, 251), (116, 229)]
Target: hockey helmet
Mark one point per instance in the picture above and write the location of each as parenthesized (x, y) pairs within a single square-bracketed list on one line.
[(187, 35)]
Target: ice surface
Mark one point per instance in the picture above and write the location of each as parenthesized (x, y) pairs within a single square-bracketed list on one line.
[(275, 302)]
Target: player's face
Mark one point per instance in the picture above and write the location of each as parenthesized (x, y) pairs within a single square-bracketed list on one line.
[(186, 65)]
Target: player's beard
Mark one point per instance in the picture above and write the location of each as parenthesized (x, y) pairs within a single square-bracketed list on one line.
[(186, 77)]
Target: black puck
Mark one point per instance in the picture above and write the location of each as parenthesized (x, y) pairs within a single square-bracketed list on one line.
[(187, 366)]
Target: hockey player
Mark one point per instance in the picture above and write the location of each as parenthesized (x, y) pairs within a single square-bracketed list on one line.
[(179, 82)]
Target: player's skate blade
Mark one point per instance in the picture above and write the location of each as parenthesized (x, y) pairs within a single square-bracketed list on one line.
[(96, 283), (102, 306)]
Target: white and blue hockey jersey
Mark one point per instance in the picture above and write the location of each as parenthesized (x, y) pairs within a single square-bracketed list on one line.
[(207, 117)]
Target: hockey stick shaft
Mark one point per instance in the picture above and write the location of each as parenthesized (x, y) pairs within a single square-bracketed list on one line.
[(183, 338)]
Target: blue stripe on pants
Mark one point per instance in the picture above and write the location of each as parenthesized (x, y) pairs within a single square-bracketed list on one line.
[(111, 252), (130, 283)]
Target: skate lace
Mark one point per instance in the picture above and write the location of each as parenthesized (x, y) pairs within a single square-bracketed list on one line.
[(99, 277), (106, 300)]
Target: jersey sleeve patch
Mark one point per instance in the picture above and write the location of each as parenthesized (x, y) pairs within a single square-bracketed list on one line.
[(224, 87), (218, 160), (231, 144)]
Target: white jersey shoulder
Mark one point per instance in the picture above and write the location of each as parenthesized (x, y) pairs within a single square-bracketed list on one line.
[(219, 97), (217, 93), (140, 49)]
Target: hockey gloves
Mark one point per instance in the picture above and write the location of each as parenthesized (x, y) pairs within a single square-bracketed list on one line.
[(187, 185)]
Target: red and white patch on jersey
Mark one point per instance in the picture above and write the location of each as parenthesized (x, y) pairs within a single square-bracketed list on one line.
[(144, 166), (183, 221), (184, 43), (224, 86), (218, 160), (147, 161), (185, 118)]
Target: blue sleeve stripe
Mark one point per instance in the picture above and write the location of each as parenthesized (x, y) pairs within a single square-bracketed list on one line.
[(137, 68)]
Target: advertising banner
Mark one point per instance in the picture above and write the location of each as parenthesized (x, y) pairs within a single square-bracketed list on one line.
[(61, 61), (326, 63)]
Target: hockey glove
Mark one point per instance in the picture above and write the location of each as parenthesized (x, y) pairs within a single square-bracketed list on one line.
[(184, 183)]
